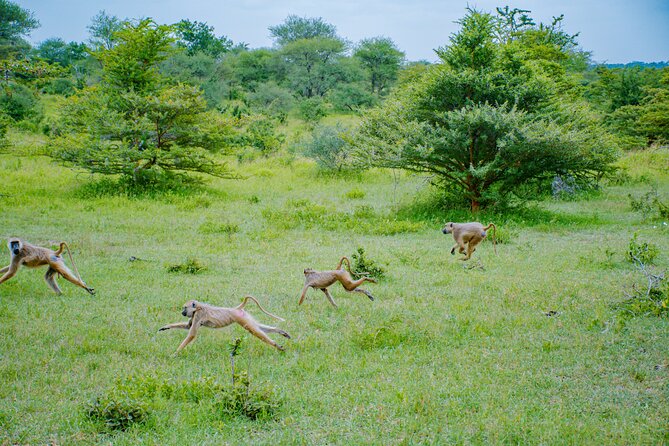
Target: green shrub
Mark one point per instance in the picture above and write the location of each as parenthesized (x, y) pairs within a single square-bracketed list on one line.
[(642, 252), (242, 400), (355, 194), (116, 412), (362, 265), (213, 227), (327, 146), (63, 87), (191, 266), (19, 102), (312, 109)]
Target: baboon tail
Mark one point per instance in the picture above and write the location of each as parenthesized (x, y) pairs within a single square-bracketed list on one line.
[(494, 236), (341, 262), (69, 253), (248, 296)]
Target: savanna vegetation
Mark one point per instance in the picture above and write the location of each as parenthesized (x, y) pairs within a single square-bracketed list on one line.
[(181, 165)]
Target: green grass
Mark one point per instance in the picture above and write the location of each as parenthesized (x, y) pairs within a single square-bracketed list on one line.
[(444, 355)]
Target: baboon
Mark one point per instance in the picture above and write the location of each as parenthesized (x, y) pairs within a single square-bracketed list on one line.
[(323, 279), (469, 234), (202, 314), (23, 253)]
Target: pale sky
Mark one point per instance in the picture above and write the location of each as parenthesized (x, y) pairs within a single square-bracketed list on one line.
[(615, 31)]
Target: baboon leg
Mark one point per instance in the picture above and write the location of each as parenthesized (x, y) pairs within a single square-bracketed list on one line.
[(4, 270), (50, 278), (351, 285), (64, 271), (470, 250), (270, 329), (453, 249), (10, 271), (252, 327), (185, 325), (304, 294), (191, 335), (363, 291), (329, 296)]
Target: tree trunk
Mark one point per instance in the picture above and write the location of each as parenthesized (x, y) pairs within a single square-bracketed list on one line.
[(476, 206)]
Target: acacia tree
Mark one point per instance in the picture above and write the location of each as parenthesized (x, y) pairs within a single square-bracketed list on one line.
[(200, 37), (487, 120), (134, 123), (381, 59), (311, 49), (15, 24)]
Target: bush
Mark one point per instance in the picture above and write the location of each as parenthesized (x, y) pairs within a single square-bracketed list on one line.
[(261, 135), (191, 266), (115, 412), (63, 87), (362, 265), (19, 102), (649, 203), (644, 252), (312, 109), (242, 400), (328, 148), (355, 194), (213, 227)]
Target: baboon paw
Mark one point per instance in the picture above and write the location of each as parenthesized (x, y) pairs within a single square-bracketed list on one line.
[(162, 329), (453, 251), (371, 297), (280, 348), (91, 291)]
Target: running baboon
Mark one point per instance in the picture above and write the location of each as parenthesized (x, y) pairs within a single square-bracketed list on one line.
[(323, 279), (23, 253), (202, 314), (469, 234)]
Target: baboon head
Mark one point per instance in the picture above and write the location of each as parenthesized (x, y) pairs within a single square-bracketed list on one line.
[(14, 246), (448, 228), (190, 308), (308, 271)]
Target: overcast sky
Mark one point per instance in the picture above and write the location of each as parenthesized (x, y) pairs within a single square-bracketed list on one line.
[(615, 31)]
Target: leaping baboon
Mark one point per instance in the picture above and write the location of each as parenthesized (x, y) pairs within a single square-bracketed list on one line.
[(202, 314), (25, 254), (323, 279), (468, 235)]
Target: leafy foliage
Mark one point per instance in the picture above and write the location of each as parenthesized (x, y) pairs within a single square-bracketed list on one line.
[(297, 28), (487, 120), (328, 148), (200, 37), (116, 412), (641, 252), (363, 265), (134, 125), (15, 23), (381, 59), (190, 266)]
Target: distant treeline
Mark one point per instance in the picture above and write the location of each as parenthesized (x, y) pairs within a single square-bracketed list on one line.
[(635, 63)]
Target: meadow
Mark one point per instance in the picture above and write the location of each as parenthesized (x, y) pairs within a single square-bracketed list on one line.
[(523, 347)]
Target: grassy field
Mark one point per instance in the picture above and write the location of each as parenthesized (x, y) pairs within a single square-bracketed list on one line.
[(444, 355)]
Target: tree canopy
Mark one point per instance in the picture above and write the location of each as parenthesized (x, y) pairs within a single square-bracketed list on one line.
[(487, 120), (15, 24), (135, 123)]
